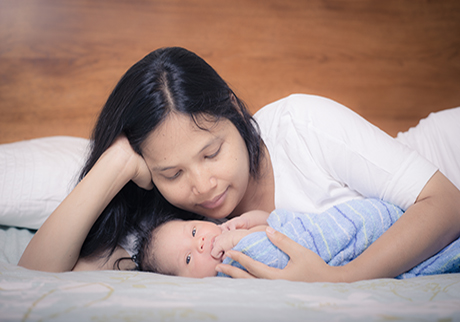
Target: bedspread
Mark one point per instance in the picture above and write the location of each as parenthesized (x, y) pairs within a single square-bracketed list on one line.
[(136, 296), (27, 295)]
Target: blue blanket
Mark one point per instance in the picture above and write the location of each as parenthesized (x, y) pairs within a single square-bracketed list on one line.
[(339, 235)]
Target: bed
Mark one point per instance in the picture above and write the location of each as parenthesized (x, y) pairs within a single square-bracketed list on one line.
[(393, 62), (40, 174)]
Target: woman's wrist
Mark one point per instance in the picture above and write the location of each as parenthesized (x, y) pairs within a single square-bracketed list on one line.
[(121, 159), (115, 165), (343, 274), (129, 164)]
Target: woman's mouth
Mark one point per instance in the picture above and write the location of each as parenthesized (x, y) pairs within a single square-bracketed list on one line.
[(215, 202)]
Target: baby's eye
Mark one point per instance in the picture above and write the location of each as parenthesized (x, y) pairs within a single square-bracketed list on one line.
[(193, 231), (187, 260)]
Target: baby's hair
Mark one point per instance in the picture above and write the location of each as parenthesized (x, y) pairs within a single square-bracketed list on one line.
[(145, 259)]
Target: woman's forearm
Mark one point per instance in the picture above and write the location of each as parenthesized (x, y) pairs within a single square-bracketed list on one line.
[(426, 227), (56, 245)]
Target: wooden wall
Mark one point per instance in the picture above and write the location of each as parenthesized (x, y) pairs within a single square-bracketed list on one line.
[(392, 61)]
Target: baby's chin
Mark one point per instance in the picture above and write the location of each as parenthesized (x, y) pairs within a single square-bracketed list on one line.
[(208, 274), (215, 272)]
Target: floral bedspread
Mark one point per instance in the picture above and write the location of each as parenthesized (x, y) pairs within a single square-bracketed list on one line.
[(27, 295)]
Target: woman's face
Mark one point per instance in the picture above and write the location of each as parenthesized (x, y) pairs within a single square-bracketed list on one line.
[(203, 170), (183, 248)]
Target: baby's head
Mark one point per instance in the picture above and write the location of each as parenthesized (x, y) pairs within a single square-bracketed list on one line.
[(181, 248)]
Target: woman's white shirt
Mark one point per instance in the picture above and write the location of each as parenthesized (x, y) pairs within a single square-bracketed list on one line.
[(324, 154), (437, 138)]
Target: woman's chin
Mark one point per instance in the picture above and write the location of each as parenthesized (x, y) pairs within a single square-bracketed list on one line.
[(215, 213)]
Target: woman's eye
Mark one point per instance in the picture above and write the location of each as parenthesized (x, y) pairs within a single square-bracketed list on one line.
[(187, 260), (193, 231), (177, 174), (214, 154)]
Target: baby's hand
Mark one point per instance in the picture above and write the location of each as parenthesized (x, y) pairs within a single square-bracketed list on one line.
[(247, 220), (226, 241), (240, 222)]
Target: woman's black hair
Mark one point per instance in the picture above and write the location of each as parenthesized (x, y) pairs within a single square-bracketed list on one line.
[(166, 80)]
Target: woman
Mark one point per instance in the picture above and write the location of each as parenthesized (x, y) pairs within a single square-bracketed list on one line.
[(173, 121)]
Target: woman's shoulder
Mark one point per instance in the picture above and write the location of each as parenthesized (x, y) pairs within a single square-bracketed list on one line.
[(301, 107), (307, 112), (292, 101)]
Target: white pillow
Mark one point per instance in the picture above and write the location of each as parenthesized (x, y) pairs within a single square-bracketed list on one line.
[(36, 175)]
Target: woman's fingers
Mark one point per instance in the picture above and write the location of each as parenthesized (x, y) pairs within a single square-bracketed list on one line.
[(254, 268), (294, 250), (258, 269), (304, 265), (233, 271)]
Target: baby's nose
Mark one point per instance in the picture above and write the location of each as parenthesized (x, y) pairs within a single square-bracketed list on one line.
[(201, 244)]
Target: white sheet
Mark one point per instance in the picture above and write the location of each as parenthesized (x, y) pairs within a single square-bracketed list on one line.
[(27, 295)]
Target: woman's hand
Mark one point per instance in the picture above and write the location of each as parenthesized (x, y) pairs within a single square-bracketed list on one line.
[(304, 265), (140, 171)]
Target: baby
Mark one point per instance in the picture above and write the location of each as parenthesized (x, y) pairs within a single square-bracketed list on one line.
[(338, 235), (194, 248)]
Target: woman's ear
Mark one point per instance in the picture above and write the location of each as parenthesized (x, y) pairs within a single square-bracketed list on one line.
[(236, 103), (233, 98)]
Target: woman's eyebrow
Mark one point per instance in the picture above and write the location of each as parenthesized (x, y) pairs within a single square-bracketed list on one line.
[(206, 146), (161, 169), (212, 141)]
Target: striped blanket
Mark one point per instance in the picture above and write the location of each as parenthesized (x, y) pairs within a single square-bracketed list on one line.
[(339, 235)]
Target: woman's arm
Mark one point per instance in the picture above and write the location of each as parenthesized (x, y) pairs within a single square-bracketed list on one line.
[(429, 225), (56, 245), (426, 227)]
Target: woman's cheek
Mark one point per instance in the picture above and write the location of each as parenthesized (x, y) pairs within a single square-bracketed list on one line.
[(167, 192), (176, 195), (165, 188)]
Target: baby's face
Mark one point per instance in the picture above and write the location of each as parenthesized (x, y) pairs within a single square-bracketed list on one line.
[(183, 248)]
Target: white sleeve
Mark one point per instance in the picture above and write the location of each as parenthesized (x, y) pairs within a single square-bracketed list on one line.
[(436, 138), (352, 152)]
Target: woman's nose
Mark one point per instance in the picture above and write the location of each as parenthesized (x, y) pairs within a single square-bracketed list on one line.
[(202, 182)]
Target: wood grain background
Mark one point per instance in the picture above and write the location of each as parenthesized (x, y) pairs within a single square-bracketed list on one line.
[(392, 61)]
